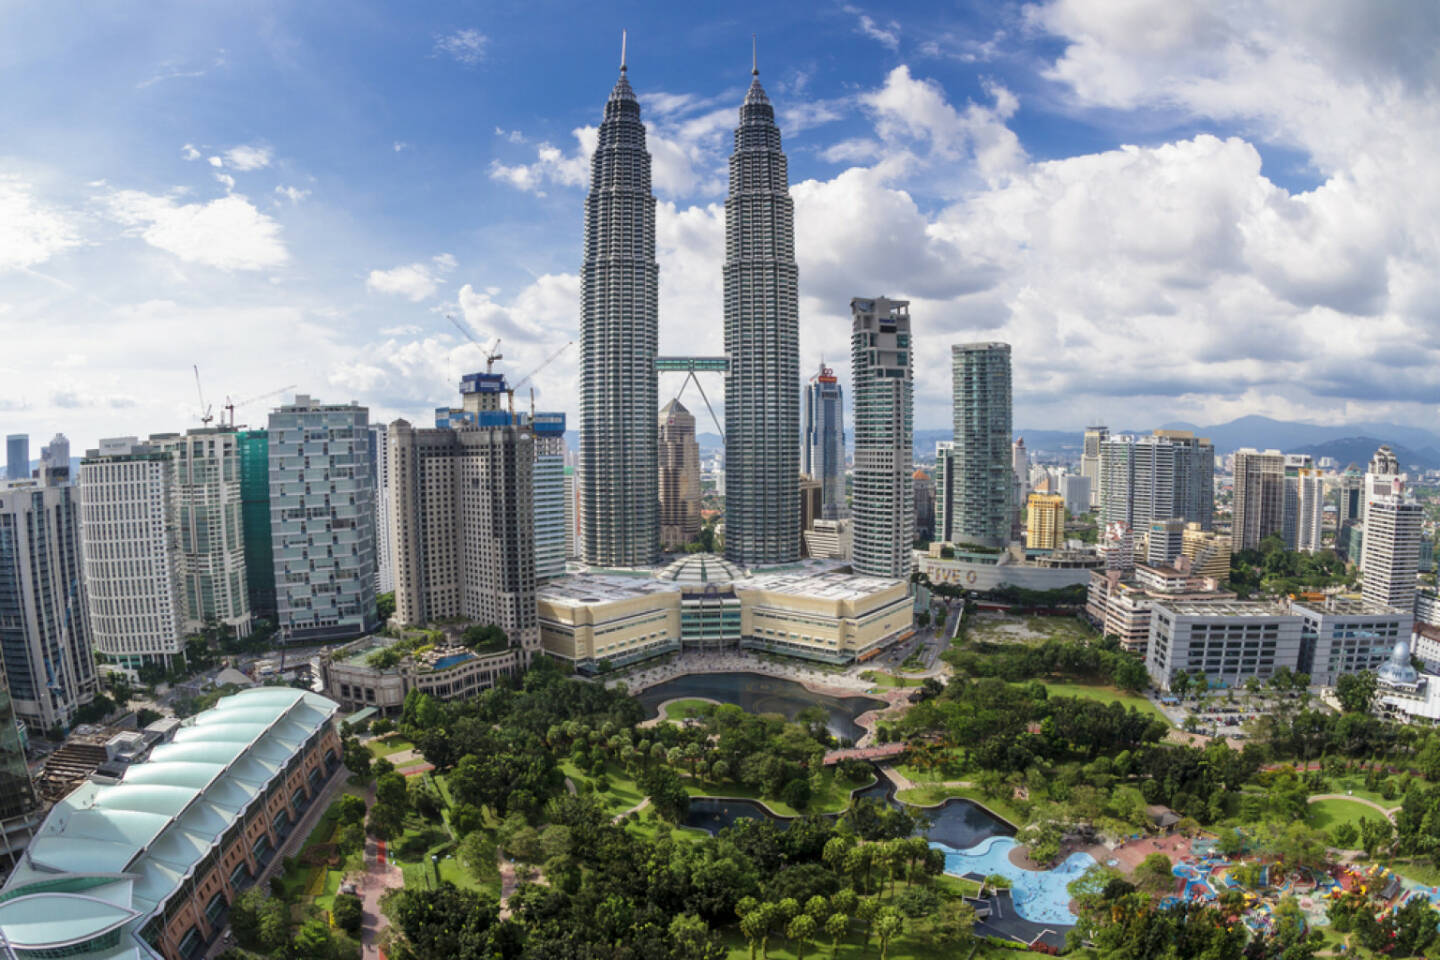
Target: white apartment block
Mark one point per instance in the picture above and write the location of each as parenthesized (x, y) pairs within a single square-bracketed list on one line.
[(384, 537), (1224, 641), (131, 550), (1392, 551)]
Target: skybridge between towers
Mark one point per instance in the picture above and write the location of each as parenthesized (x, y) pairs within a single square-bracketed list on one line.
[(690, 366)]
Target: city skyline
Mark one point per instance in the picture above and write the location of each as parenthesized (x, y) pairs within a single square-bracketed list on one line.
[(343, 247)]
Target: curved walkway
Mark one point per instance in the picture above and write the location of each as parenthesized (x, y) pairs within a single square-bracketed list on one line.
[(1387, 814)]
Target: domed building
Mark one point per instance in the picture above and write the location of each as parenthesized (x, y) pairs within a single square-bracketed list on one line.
[(698, 569), (1403, 693), (1398, 671)]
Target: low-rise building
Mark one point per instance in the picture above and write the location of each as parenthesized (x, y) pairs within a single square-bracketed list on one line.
[(700, 601), (148, 865), (357, 678), (829, 540), (1120, 605), (1209, 552), (1348, 635), (1224, 641), (980, 569)]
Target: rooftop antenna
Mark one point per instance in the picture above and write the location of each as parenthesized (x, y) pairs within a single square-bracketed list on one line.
[(754, 57), (622, 51)]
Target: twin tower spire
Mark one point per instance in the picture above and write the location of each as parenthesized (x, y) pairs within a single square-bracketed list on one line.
[(619, 339)]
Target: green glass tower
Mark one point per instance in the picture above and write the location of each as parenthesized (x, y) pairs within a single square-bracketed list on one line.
[(255, 518)]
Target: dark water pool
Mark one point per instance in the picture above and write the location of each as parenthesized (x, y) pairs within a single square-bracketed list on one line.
[(960, 824), (757, 693)]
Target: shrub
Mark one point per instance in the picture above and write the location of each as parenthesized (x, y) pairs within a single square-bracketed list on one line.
[(348, 912)]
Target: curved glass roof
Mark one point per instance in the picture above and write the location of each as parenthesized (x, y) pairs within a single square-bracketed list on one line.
[(59, 919), (137, 840), (697, 568)]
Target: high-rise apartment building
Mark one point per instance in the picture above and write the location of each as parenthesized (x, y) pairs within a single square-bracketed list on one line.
[(883, 504), (1349, 496), (1258, 507), (19, 806), (55, 460), (1164, 542), (207, 513), (822, 447), (572, 516), (1090, 460), (1044, 521), (254, 451), (45, 643), (464, 528), (1020, 474), (679, 477), (975, 486), (322, 519), (1076, 489), (924, 486), (17, 456), (1380, 475), (384, 542), (1392, 549), (762, 341), (132, 554), (619, 335), (1305, 488), (548, 430), (1165, 476)]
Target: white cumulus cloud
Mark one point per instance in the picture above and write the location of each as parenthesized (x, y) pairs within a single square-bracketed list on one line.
[(414, 281), (31, 232), (228, 233)]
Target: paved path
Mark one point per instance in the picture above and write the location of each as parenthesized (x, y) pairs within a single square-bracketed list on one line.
[(882, 752), (380, 877), (903, 782), (1387, 814), (644, 802)]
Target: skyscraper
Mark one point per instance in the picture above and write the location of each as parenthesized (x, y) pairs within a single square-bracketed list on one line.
[(883, 505), (464, 528), (548, 430), (1090, 460), (1044, 521), (17, 456), (55, 460), (1392, 549), (207, 514), (384, 544), (322, 519), (975, 493), (1166, 475), (254, 448), (1304, 504), (1259, 501), (822, 449), (1020, 478), (19, 808), (1380, 475), (679, 477), (44, 616), (132, 557), (762, 340), (619, 335)]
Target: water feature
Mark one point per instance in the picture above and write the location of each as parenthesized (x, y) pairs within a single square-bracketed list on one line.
[(757, 693), (1040, 896), (453, 659)]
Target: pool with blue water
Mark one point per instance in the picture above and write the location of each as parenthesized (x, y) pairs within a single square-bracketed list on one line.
[(453, 659), (1040, 896)]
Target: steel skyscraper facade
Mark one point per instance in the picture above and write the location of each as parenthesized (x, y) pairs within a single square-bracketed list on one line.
[(975, 497), (762, 341), (619, 337), (822, 453)]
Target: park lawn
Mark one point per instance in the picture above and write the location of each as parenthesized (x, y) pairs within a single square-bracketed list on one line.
[(834, 798), (1106, 694), (681, 709), (624, 793), (887, 681), (392, 743), (1327, 814), (1426, 873), (935, 774), (932, 795), (1354, 784)]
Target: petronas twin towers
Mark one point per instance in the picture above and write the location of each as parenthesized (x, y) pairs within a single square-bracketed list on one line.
[(619, 336)]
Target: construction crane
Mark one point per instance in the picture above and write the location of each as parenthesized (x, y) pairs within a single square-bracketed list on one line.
[(205, 416), (230, 405), (529, 376), (490, 355)]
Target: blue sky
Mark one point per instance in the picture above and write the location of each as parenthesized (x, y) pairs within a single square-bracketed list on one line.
[(1175, 210)]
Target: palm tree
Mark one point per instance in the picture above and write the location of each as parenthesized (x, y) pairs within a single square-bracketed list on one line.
[(836, 926), (887, 927), (800, 929)]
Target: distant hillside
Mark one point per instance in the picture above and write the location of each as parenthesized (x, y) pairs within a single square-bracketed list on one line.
[(1359, 450)]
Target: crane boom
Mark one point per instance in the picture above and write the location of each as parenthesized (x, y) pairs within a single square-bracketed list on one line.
[(548, 360), (230, 405), (490, 355), (205, 417)]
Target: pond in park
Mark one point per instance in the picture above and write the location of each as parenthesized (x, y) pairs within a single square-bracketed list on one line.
[(757, 693), (957, 823)]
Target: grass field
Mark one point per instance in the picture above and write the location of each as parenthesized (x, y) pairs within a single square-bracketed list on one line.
[(987, 628), (623, 793), (681, 709), (384, 746), (886, 681), (1105, 694), (1354, 784), (832, 799), (1327, 814)]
